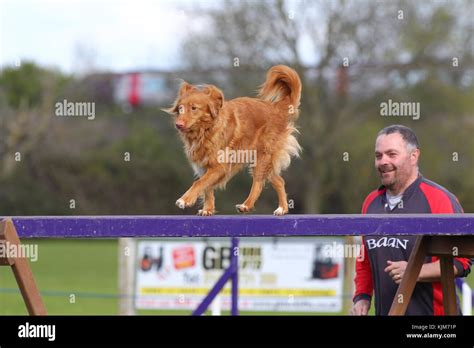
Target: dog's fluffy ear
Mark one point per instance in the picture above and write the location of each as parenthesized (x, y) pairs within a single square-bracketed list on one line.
[(184, 87), (217, 99), (173, 110)]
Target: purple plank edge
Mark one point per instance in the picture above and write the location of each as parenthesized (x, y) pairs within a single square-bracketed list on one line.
[(241, 226)]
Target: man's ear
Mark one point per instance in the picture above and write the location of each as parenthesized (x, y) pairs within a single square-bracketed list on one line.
[(184, 87), (416, 155), (216, 99)]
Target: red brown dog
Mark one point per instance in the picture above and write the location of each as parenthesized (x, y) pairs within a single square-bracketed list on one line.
[(222, 137)]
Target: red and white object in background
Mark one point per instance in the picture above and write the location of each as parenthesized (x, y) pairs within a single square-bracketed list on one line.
[(136, 89)]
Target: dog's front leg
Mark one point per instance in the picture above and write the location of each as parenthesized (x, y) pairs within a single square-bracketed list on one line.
[(209, 179)]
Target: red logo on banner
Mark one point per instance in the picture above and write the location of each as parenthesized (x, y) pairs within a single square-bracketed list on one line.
[(184, 257)]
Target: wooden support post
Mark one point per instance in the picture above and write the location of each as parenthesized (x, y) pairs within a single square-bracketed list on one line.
[(446, 248), (447, 283), (406, 287), (21, 269)]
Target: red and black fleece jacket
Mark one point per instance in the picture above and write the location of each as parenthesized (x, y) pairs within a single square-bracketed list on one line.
[(423, 196)]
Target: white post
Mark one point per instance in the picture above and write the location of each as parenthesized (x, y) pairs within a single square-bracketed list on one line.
[(126, 272), (466, 299), (216, 306)]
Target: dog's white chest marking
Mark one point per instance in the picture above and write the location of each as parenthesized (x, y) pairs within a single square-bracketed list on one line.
[(198, 171)]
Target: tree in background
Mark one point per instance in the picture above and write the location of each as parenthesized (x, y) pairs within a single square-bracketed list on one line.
[(27, 95), (351, 56)]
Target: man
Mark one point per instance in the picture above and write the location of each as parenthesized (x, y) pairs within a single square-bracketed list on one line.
[(404, 191)]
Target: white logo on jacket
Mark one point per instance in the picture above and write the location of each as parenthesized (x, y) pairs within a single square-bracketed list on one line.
[(387, 242)]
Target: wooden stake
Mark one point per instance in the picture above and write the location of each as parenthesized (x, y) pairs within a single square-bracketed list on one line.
[(21, 269)]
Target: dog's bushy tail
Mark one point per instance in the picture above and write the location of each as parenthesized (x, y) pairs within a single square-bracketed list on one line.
[(282, 86)]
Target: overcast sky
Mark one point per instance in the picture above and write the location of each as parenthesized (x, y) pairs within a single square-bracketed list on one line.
[(115, 35)]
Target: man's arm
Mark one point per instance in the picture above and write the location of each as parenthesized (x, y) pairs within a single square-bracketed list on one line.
[(430, 272), (443, 203)]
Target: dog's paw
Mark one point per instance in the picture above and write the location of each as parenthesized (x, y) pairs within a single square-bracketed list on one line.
[(180, 203), (202, 212), (242, 208), (280, 211)]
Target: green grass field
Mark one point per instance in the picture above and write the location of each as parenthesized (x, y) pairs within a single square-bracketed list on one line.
[(78, 277), (85, 269)]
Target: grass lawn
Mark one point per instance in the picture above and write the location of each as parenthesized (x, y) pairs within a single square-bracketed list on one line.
[(68, 267), (78, 277)]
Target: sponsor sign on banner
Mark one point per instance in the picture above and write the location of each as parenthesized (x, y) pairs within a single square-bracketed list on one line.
[(275, 274)]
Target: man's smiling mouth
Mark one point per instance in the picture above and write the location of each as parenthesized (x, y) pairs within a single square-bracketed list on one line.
[(386, 171)]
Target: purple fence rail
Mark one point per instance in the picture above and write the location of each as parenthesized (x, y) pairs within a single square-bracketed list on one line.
[(242, 226)]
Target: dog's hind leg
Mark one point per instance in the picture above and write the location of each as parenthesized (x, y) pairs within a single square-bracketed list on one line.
[(259, 174), (279, 185), (208, 207)]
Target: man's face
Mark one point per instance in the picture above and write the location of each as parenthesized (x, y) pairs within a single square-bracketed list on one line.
[(394, 163)]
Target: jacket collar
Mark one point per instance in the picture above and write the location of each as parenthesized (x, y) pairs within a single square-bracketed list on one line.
[(408, 191)]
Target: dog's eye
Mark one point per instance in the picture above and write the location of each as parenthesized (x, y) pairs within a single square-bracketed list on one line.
[(193, 108)]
